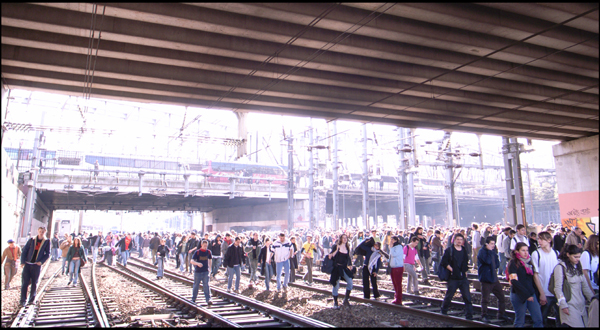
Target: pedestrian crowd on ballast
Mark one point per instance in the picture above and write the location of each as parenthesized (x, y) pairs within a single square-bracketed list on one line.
[(549, 268)]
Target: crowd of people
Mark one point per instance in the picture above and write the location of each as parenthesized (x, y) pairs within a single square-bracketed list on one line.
[(551, 268)]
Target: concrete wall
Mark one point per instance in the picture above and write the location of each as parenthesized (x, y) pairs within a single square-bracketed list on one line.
[(273, 215), (577, 181)]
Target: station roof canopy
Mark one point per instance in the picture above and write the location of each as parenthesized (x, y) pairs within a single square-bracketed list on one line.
[(512, 69)]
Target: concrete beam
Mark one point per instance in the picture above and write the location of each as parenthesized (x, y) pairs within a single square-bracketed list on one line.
[(122, 29), (78, 45), (340, 95)]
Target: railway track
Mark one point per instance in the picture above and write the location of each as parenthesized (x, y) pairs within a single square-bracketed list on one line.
[(57, 305), (414, 301), (227, 308)]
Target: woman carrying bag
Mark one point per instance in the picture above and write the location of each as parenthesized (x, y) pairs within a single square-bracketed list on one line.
[(266, 258), (75, 255), (524, 281), (573, 312)]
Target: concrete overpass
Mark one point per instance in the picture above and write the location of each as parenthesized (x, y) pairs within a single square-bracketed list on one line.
[(516, 70)]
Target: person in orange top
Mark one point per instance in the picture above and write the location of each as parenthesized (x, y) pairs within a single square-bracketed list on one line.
[(11, 254)]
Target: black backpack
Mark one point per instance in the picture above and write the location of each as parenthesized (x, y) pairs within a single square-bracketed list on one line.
[(482, 241)]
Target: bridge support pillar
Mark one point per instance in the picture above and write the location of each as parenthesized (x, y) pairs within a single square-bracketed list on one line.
[(365, 181), (141, 176), (242, 134), (515, 211), (186, 184)]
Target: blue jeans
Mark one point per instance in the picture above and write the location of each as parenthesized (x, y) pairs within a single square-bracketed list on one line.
[(268, 275), (284, 265), (94, 253), (551, 302), (55, 254), (520, 309), (182, 257), (337, 285), (502, 267), (463, 286), (30, 275), (160, 266), (124, 257), (63, 265), (216, 263), (74, 270), (204, 278), (237, 271)]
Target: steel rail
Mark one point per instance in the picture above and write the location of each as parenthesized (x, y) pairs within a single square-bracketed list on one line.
[(26, 312), (390, 293), (280, 313), (89, 296), (209, 315), (99, 297)]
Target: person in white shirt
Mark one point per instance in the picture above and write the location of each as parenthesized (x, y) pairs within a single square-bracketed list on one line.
[(283, 252), (521, 236), (589, 261), (501, 249), (544, 260), (476, 242)]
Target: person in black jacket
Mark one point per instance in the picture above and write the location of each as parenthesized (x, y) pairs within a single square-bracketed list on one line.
[(458, 267), (559, 239), (215, 249), (342, 269), (488, 263), (233, 261), (524, 281), (191, 246), (266, 258), (161, 253)]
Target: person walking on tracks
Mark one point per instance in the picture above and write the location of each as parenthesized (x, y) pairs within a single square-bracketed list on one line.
[(253, 247), (64, 247), (308, 252), (74, 256), (544, 260), (154, 243), (487, 271), (410, 257), (11, 254), (573, 312), (342, 269), (458, 267), (35, 253), (266, 258), (54, 247), (283, 252), (202, 262), (161, 254), (523, 280), (397, 265), (233, 262), (125, 245), (215, 249)]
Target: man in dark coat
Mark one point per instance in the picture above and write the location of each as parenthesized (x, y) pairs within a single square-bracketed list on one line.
[(488, 263), (458, 266), (34, 255)]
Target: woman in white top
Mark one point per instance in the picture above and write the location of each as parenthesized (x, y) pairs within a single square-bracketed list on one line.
[(589, 261)]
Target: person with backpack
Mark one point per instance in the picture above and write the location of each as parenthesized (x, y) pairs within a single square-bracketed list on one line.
[(544, 260), (410, 257), (507, 249), (523, 281), (455, 260), (589, 261), (397, 265), (533, 242), (572, 311), (154, 243), (488, 262), (520, 236)]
